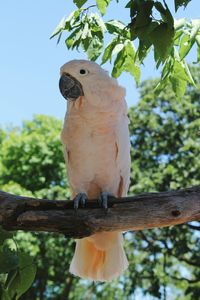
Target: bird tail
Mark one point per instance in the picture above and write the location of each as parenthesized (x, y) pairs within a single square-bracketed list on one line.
[(100, 257)]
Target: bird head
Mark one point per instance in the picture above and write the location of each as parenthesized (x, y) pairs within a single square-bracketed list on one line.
[(87, 81)]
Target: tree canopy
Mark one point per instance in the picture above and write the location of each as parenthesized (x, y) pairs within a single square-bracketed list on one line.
[(164, 263), (151, 26)]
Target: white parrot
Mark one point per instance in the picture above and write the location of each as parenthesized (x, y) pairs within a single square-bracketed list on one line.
[(96, 145)]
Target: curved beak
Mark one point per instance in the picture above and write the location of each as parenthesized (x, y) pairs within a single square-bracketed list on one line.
[(70, 87)]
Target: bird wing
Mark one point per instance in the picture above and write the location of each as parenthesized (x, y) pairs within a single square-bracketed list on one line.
[(123, 156)]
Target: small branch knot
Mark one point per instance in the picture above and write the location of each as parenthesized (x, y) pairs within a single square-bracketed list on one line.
[(176, 213)]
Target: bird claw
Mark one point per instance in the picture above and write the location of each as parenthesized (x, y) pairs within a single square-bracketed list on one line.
[(80, 199), (103, 199)]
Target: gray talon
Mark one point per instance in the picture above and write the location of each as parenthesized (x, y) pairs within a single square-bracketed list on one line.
[(80, 199), (103, 200)]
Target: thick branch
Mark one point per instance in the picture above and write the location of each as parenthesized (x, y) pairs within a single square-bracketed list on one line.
[(129, 213)]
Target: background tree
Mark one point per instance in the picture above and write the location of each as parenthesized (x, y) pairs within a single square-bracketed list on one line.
[(164, 263), (151, 26), (165, 155)]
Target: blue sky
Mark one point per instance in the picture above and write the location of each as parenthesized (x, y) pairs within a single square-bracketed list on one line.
[(30, 61)]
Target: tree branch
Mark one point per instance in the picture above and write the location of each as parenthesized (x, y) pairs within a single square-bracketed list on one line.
[(129, 213)]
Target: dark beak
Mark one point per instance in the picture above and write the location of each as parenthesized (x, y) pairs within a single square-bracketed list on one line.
[(70, 87)]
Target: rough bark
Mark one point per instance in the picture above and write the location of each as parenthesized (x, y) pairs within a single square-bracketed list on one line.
[(129, 213)]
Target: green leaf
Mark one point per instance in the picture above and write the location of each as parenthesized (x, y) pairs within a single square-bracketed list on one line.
[(141, 13), (179, 3), (167, 69), (108, 51), (11, 275), (24, 277), (178, 86), (162, 39), (117, 49), (187, 70), (165, 13), (179, 23), (133, 69), (66, 23), (185, 45), (59, 28), (72, 38), (8, 260), (73, 20), (197, 39), (4, 235), (179, 78), (115, 27), (179, 70), (95, 48), (79, 3), (143, 32), (102, 5), (5, 296), (85, 31), (86, 43), (130, 65), (161, 85), (143, 49), (118, 64), (195, 28), (177, 37), (125, 61), (99, 21), (198, 54)]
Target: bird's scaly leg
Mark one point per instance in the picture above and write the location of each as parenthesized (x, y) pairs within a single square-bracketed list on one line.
[(103, 199), (79, 199)]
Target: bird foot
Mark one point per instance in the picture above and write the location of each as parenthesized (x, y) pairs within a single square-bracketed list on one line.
[(80, 199), (103, 199)]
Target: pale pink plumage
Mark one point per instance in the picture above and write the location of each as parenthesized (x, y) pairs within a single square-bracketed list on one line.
[(97, 153)]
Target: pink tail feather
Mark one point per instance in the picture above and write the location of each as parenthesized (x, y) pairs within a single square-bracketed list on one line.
[(95, 261)]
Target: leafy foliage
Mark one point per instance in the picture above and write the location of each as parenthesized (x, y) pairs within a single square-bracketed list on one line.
[(171, 40), (164, 263), (40, 147), (17, 269), (32, 165)]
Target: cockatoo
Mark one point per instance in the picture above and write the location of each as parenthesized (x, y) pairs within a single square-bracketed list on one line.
[(96, 145)]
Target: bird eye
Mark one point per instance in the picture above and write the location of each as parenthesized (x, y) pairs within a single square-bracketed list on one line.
[(83, 71)]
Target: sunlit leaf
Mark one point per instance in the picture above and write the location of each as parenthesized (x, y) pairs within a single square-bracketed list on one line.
[(99, 22), (108, 50), (130, 64), (179, 78), (115, 27), (185, 45), (118, 64), (195, 28), (95, 48), (85, 31), (102, 5), (59, 28), (179, 23), (117, 49)]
